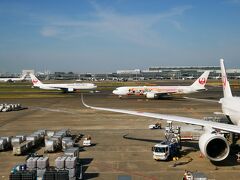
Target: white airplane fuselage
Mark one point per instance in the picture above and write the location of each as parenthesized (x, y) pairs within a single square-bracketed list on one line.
[(74, 86), (11, 79), (230, 107), (141, 90)]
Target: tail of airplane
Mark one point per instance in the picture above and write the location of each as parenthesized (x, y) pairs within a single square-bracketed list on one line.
[(35, 80), (201, 81), (225, 83)]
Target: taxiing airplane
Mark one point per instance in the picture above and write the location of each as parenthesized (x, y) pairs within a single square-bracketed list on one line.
[(155, 92), (212, 142), (13, 79), (64, 87)]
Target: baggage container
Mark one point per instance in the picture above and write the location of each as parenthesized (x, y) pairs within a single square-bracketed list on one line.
[(33, 139), (41, 172), (42, 163), (70, 162), (3, 144), (20, 149), (23, 137), (67, 142), (51, 144), (50, 133), (71, 172), (60, 162), (32, 163), (15, 141), (72, 152)]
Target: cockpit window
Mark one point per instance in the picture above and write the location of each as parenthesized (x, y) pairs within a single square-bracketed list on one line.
[(161, 149)]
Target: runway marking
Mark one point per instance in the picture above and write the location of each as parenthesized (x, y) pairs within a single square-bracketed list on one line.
[(204, 100), (51, 110)]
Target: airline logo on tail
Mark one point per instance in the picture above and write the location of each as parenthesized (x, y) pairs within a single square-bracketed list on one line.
[(34, 81), (202, 81), (224, 81)]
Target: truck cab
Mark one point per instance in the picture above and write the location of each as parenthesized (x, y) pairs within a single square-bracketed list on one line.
[(160, 151)]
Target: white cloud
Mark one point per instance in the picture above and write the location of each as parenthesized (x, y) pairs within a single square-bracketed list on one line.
[(137, 29), (49, 31)]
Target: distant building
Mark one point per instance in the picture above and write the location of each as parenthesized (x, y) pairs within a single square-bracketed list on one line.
[(135, 71), (31, 71)]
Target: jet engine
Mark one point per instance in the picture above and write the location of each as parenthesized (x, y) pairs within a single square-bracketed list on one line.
[(151, 95), (214, 146), (70, 90)]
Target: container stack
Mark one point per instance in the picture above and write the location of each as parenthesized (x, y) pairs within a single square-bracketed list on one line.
[(70, 166), (53, 141), (67, 142), (72, 152), (22, 148), (32, 163), (16, 141), (10, 107), (51, 144), (5, 143), (66, 165), (42, 165), (60, 163)]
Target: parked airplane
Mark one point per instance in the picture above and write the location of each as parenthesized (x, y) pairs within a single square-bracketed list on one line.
[(212, 142), (63, 87), (14, 79), (154, 92)]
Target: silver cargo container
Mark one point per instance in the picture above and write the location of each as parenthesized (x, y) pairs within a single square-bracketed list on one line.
[(67, 142), (71, 172), (50, 133), (33, 139), (70, 162), (42, 162), (40, 173), (8, 138), (20, 149), (8, 144), (15, 141), (23, 137), (51, 145), (72, 152), (60, 163), (3, 144), (32, 163)]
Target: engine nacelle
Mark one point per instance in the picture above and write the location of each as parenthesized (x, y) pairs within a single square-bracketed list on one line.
[(214, 146), (151, 95), (70, 90)]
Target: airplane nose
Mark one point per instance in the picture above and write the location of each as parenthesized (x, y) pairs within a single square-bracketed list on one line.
[(115, 92)]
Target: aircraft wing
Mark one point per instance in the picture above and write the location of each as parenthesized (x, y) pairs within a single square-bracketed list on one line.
[(199, 122)]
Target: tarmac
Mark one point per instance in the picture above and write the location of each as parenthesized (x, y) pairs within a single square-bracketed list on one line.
[(121, 143)]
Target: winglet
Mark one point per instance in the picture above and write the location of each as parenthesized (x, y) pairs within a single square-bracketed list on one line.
[(225, 83)]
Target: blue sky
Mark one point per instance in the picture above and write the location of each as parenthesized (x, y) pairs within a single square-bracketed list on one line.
[(106, 35)]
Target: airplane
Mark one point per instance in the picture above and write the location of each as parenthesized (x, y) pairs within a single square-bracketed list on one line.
[(212, 142), (64, 87), (155, 92), (13, 79)]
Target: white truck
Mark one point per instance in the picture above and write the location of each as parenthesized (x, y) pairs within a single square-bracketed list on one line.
[(170, 147)]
